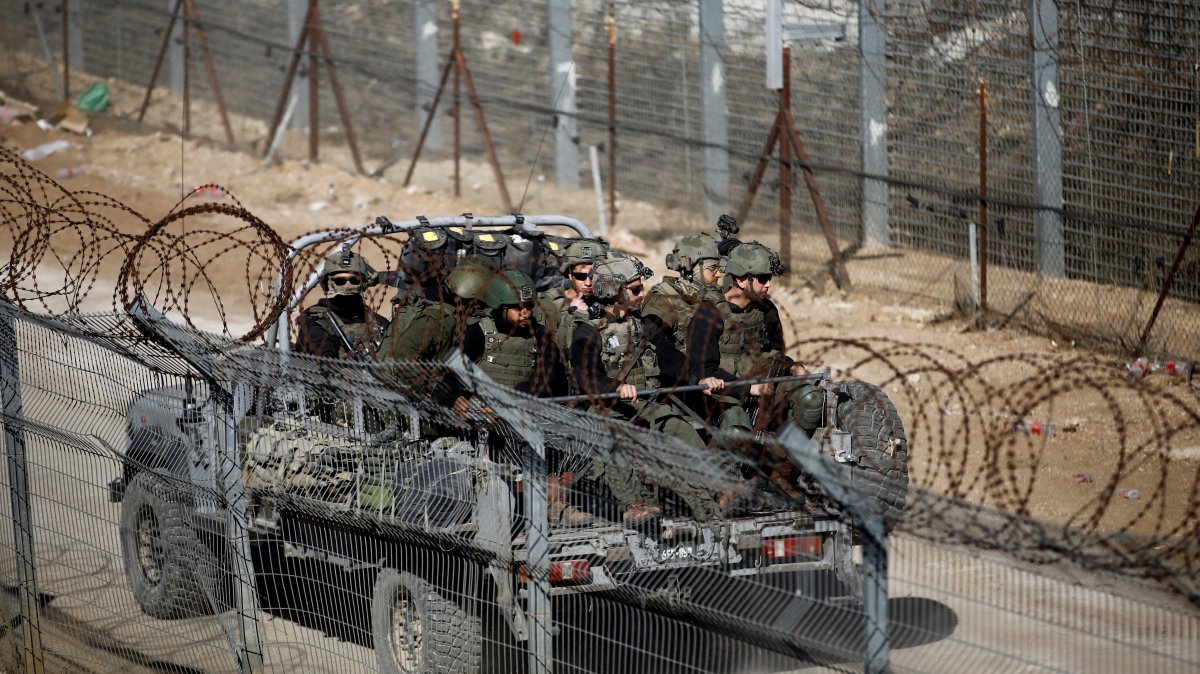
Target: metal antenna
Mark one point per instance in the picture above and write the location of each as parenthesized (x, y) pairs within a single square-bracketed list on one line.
[(533, 166)]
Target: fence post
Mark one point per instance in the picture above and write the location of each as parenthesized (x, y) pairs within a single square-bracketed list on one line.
[(562, 93), (75, 34), (713, 109), (1047, 139), (236, 527), (175, 49), (18, 486), (298, 103), (427, 71), (876, 640), (872, 75)]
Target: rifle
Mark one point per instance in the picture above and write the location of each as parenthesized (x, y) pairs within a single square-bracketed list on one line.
[(360, 354), (648, 392)]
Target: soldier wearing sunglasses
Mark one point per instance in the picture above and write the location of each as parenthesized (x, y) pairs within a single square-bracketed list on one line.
[(610, 352), (340, 325), (741, 337)]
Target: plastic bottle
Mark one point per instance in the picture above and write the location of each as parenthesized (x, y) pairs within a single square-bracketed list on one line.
[(44, 150), (1138, 368), (1173, 368), (1044, 429)]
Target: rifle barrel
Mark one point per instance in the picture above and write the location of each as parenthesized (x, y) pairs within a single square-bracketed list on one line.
[(647, 392)]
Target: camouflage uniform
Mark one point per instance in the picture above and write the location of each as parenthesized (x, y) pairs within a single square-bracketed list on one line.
[(607, 352), (424, 329), (340, 325)]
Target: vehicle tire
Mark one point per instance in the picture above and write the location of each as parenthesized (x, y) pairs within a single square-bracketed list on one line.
[(418, 631), (877, 437), (171, 571)]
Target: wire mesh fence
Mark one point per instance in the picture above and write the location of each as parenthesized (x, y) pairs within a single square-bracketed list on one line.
[(186, 500), (1084, 221)]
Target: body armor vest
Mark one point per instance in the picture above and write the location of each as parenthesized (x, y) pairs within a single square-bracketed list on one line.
[(625, 350), (742, 341), (675, 300), (507, 359), (365, 337)]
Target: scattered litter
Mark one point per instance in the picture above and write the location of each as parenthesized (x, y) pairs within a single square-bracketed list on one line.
[(16, 110), (1082, 478), (1130, 493), (44, 150), (317, 206), (69, 172), (1175, 368), (45, 124), (95, 98), (1043, 429)]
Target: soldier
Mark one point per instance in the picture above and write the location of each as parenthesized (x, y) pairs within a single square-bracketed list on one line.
[(741, 337), (673, 302), (557, 304), (609, 353), (425, 329), (514, 350), (340, 325)]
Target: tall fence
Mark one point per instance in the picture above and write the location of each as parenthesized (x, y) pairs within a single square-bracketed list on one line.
[(1090, 128), (173, 506)]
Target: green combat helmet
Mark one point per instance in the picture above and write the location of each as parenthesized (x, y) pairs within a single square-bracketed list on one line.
[(345, 261), (514, 287), (610, 276), (583, 251), (691, 249), (471, 278), (750, 258)]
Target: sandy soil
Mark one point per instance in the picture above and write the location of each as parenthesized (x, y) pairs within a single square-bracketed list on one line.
[(1125, 455)]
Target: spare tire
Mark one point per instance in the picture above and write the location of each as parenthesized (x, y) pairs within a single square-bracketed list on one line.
[(878, 441)]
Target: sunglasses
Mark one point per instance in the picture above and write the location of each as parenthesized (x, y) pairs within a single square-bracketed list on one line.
[(636, 290), (580, 275), (763, 278), (345, 280)]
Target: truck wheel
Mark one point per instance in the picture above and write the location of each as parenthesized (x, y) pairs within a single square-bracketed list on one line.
[(877, 437), (418, 631), (170, 569)]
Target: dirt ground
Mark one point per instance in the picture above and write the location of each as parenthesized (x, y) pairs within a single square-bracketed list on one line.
[(1125, 455)]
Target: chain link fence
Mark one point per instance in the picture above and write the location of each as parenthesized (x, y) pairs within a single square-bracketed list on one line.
[(1084, 221), (179, 500)]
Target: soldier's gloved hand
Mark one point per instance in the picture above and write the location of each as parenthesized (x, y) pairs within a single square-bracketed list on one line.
[(762, 389), (627, 392), (713, 384)]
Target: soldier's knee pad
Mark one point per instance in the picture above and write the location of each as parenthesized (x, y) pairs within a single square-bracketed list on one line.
[(734, 419), (806, 405)]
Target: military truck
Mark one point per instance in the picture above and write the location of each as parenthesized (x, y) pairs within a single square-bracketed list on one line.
[(447, 518)]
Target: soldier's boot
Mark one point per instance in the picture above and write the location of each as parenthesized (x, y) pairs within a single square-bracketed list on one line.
[(560, 512)]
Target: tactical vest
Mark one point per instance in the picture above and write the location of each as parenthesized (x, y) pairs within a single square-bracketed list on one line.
[(742, 341), (367, 335), (625, 350), (507, 359), (675, 300)]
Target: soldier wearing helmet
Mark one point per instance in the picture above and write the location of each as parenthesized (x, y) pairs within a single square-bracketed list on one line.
[(427, 329), (340, 325), (742, 337), (609, 352), (556, 304), (512, 348), (673, 302)]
